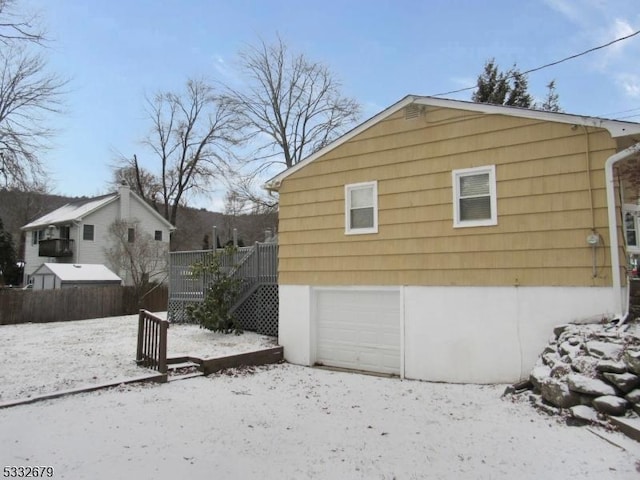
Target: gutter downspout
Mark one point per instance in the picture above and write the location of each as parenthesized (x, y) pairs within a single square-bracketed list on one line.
[(621, 305)]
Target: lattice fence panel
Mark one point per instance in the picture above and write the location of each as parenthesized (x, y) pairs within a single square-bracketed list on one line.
[(259, 313)]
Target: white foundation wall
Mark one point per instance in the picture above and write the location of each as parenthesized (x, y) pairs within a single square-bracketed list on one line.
[(460, 334), (294, 323)]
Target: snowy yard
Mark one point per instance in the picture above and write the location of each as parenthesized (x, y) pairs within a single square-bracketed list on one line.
[(39, 358), (280, 421)]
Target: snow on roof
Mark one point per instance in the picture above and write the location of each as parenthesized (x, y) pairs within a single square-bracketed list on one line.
[(79, 272), (70, 212)]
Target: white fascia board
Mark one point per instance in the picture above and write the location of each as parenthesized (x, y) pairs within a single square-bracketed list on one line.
[(614, 127), (274, 183)]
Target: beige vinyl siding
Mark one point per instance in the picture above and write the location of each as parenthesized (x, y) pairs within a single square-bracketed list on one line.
[(543, 205)]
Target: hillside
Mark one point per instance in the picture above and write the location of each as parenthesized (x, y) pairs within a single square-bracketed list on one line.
[(18, 208)]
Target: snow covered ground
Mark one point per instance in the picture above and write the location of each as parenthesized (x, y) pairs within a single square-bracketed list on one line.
[(280, 421), (39, 358)]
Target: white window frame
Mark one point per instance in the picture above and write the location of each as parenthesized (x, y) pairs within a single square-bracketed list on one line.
[(456, 175), (635, 211), (347, 207)]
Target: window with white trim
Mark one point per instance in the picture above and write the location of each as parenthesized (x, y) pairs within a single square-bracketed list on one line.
[(361, 208), (474, 197)]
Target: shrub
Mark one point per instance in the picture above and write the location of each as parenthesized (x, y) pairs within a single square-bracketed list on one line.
[(214, 313)]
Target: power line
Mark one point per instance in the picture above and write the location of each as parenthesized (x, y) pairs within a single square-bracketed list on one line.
[(550, 64), (606, 115)]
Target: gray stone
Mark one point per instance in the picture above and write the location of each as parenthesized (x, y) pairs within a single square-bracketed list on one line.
[(560, 370), (538, 375), (611, 404), (584, 364), (582, 412), (541, 405), (632, 360), (605, 350), (590, 386), (550, 358), (624, 381), (559, 330), (611, 366), (558, 394), (633, 396), (566, 348)]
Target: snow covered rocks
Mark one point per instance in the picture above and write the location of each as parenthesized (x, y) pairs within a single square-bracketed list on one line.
[(589, 370)]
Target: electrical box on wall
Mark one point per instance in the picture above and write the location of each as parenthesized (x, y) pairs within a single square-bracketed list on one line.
[(593, 239)]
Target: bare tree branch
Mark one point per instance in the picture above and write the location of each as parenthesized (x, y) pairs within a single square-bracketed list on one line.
[(190, 137), (28, 94), (291, 108), (19, 28)]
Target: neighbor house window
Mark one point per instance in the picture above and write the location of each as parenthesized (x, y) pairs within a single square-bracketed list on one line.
[(630, 229), (474, 197), (36, 236), (158, 235), (131, 235), (361, 208), (87, 232)]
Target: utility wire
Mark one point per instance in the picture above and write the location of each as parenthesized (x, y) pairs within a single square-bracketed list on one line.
[(606, 115), (549, 64)]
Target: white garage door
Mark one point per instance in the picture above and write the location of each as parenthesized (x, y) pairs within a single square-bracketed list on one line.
[(358, 329)]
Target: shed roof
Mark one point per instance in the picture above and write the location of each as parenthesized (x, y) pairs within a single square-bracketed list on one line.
[(78, 272), (616, 128)]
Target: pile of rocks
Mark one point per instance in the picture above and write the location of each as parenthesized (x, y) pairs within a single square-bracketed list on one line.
[(590, 370)]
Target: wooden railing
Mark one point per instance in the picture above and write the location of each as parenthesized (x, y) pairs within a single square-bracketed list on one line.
[(152, 342)]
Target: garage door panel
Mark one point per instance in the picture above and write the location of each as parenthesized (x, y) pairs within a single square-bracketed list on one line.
[(358, 330)]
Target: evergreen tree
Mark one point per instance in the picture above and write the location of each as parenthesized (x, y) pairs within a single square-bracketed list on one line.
[(8, 258), (551, 103), (502, 88)]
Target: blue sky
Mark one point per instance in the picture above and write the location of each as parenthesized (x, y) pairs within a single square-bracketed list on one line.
[(117, 51)]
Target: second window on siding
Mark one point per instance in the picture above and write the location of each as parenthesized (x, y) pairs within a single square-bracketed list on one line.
[(361, 208), (474, 197), (87, 232)]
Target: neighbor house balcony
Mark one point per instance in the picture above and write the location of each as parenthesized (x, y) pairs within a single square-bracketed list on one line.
[(56, 247)]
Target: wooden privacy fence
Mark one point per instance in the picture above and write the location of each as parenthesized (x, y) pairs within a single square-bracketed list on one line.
[(79, 303), (152, 342)]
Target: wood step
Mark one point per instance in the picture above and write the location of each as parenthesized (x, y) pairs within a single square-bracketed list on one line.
[(177, 366), (173, 378)]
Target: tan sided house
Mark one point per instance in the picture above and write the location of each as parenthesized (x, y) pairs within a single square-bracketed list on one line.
[(442, 240)]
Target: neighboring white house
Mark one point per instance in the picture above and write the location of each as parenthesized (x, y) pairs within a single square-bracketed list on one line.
[(66, 275), (79, 233)]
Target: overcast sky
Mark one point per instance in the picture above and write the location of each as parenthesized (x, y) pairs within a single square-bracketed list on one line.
[(117, 51)]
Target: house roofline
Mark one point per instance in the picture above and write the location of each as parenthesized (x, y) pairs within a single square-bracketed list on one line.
[(169, 225), (615, 127), (113, 197), (33, 225)]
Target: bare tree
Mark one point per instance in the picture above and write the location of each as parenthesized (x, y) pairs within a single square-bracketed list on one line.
[(138, 257), (189, 140), (290, 106), (140, 180), (18, 27), (28, 94)]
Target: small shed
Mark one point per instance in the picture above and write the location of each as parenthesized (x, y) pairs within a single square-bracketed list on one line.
[(64, 275)]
